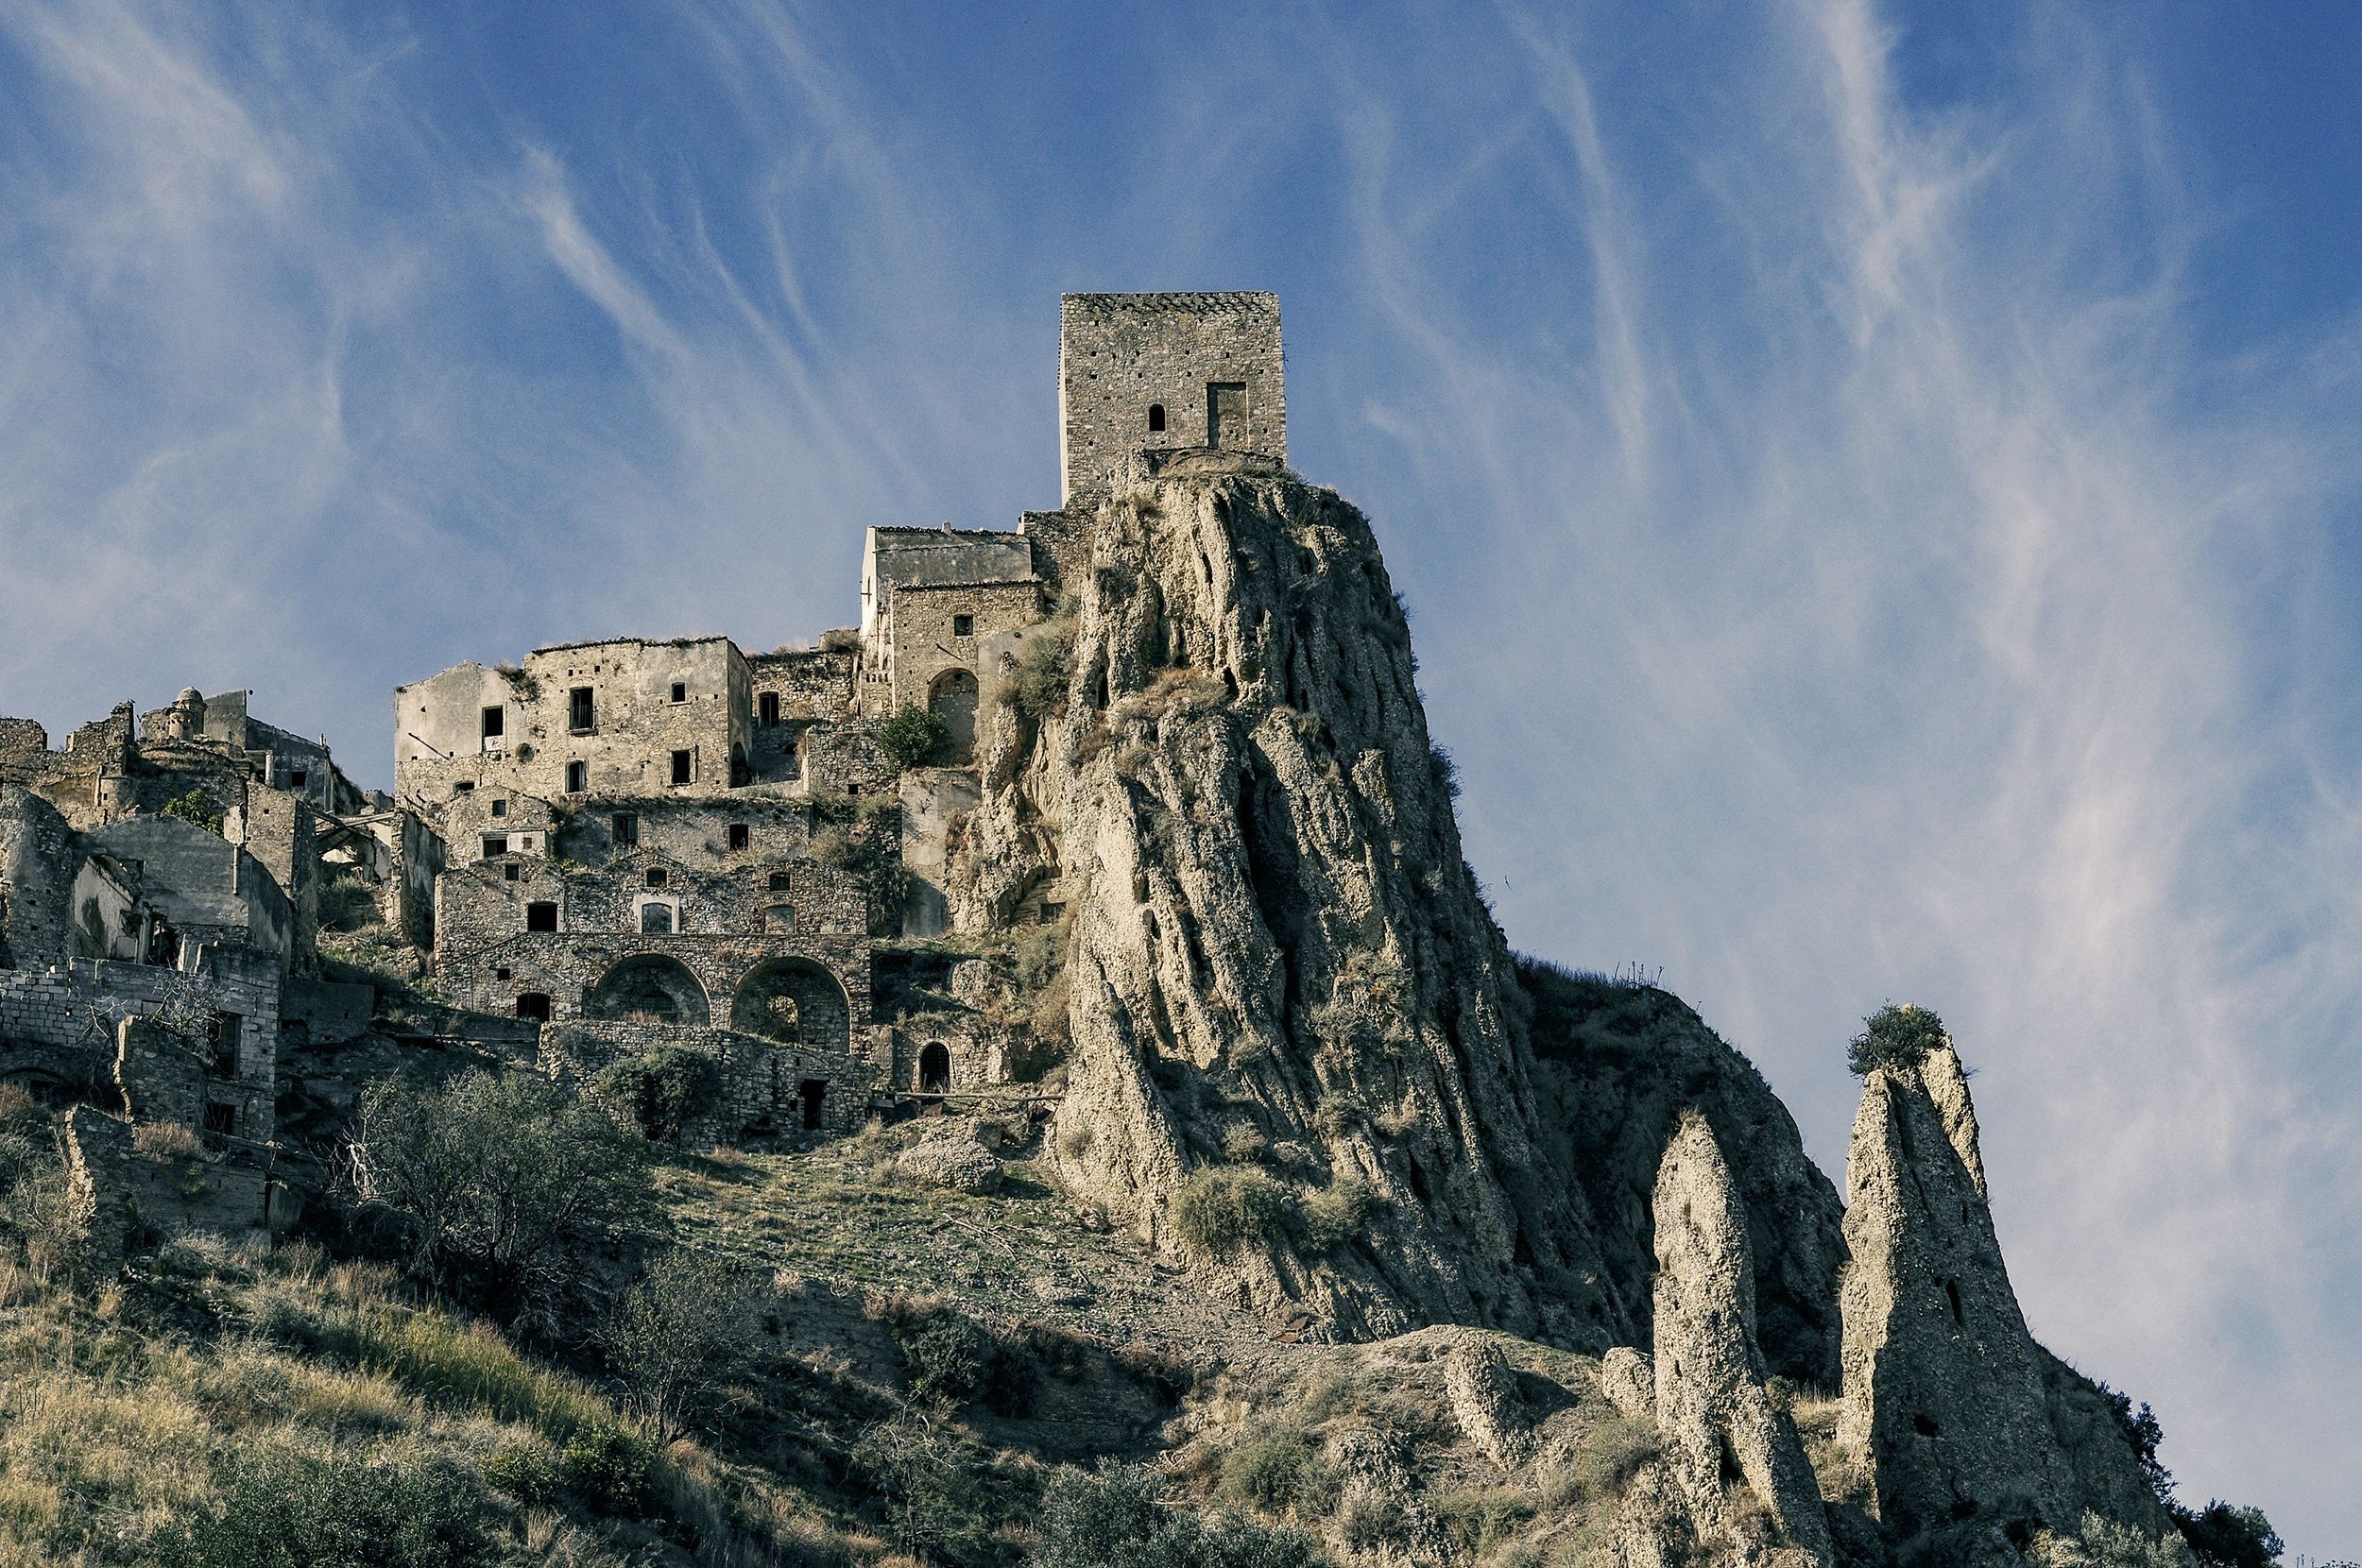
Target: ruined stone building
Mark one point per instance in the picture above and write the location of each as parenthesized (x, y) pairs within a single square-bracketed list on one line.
[(615, 844), (682, 840)]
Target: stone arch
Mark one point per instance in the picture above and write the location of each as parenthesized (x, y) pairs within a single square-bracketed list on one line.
[(794, 1001), (935, 1067), (952, 697), (652, 988)]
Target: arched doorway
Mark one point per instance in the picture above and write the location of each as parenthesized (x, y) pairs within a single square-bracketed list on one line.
[(650, 988), (952, 699), (935, 1067), (794, 1001)]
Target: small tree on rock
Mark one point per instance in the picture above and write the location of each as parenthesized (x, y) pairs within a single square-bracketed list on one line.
[(1897, 1035), (915, 737)]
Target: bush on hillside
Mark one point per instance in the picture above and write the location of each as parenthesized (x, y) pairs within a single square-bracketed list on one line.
[(502, 1186), (1897, 1035), (1224, 1207), (1119, 1515), (283, 1507), (679, 1335), (660, 1090), (915, 738), (1044, 672)]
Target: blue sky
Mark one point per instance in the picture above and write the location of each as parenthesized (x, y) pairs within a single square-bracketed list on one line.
[(1875, 485)]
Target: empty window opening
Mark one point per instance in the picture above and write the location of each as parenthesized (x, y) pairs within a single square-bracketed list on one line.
[(1225, 413), (935, 1069), (465, 785), (541, 916), (680, 691), (500, 807), (222, 1120), (534, 1005), (739, 836), (657, 875), (581, 713), (778, 882), (512, 870), (495, 845), (626, 824), (656, 920), (504, 973), (767, 708), (221, 1044), (577, 778), (495, 723), (963, 625), (811, 1092), (1156, 418), (298, 779), (681, 761)]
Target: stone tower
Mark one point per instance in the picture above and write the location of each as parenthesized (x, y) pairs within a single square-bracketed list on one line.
[(1141, 371)]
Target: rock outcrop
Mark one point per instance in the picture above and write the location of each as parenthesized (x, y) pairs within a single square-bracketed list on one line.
[(1484, 1401), (1627, 1381), (1943, 1386), (1623, 1063), (1270, 924), (1720, 1424)]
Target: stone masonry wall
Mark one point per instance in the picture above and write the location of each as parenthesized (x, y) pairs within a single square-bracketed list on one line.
[(1120, 354), (763, 1083), (922, 641)]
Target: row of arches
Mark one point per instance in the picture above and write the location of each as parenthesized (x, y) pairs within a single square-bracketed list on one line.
[(791, 1000)]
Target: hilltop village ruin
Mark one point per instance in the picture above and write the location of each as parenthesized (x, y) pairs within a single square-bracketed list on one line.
[(612, 843)]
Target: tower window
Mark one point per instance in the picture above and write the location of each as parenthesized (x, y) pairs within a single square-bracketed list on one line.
[(577, 778), (581, 712), (1156, 417), (540, 917), (495, 723), (680, 691), (767, 708), (681, 760), (963, 625), (1225, 413)]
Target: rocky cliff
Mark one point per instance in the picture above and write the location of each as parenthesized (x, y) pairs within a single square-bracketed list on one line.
[(1285, 991)]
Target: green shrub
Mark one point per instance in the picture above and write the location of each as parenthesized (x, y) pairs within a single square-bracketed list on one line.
[(279, 1508), (2224, 1536), (1276, 1472), (680, 1334), (196, 808), (609, 1468), (1119, 1516), (1222, 1208), (1336, 1214), (661, 1089), (915, 737), (1612, 1452), (1044, 673), (502, 1186), (1897, 1035)]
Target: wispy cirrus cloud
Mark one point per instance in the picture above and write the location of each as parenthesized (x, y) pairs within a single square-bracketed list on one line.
[(1849, 558)]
